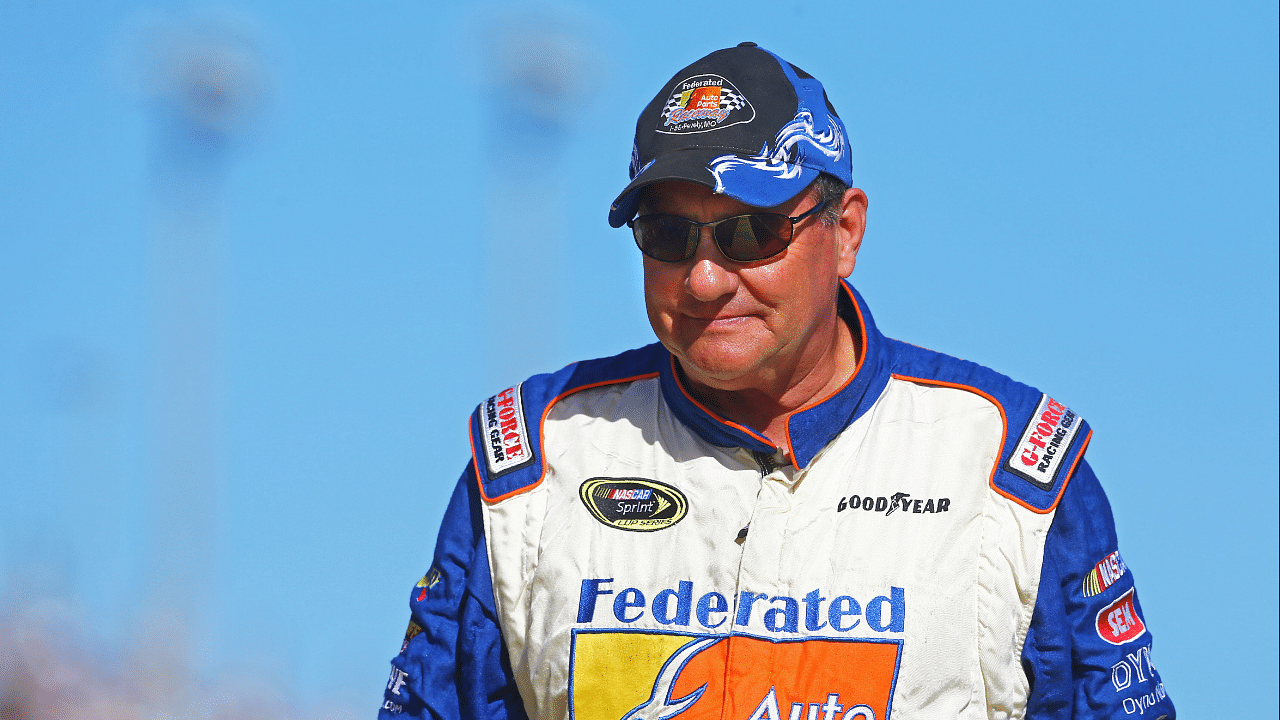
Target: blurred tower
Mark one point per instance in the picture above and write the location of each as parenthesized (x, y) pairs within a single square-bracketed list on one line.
[(537, 66), (205, 80)]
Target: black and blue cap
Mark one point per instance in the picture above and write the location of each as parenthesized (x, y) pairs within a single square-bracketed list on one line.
[(743, 122)]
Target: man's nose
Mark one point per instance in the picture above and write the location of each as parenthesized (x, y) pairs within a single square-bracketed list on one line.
[(711, 275)]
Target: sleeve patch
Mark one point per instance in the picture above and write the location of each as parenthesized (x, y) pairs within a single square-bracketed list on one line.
[(504, 432), (1104, 574), (395, 683), (410, 633), (1038, 456), (1136, 673), (1119, 622), (428, 581)]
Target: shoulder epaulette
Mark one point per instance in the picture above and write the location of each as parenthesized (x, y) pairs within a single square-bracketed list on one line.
[(1044, 440), (506, 429), (1043, 444)]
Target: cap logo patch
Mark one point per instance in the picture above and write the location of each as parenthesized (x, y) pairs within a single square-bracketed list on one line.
[(704, 102), (633, 504), (790, 148)]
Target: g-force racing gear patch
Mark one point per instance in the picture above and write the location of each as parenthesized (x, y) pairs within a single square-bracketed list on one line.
[(1044, 443), (505, 432)]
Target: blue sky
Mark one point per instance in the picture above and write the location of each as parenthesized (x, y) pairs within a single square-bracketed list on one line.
[(1082, 196)]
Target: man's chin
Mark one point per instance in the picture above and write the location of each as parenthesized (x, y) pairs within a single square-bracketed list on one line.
[(720, 370)]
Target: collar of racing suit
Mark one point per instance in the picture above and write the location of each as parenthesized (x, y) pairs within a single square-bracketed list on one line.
[(809, 428)]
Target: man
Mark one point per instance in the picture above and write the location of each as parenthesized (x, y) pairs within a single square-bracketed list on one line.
[(776, 512)]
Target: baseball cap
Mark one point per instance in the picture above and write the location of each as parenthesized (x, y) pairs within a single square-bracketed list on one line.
[(743, 122)]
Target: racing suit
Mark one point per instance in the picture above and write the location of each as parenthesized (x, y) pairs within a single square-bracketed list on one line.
[(936, 547)]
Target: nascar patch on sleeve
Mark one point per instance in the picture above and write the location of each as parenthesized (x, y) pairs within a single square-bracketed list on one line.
[(1044, 443), (1104, 574), (505, 433)]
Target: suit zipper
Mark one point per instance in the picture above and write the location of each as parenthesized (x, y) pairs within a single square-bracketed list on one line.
[(766, 463)]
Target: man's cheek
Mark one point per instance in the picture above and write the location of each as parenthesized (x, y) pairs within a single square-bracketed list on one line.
[(662, 321)]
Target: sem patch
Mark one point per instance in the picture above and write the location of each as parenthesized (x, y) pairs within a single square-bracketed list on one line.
[(1119, 622), (505, 433), (633, 504), (1044, 442), (704, 102)]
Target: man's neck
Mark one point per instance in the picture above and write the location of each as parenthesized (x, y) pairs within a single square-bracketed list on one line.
[(766, 410)]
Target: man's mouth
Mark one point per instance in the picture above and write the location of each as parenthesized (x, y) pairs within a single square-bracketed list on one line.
[(720, 321)]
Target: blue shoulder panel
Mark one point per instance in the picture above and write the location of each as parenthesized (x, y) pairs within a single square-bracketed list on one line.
[(506, 429), (1043, 439)]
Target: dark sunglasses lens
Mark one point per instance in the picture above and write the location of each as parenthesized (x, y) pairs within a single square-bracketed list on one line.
[(665, 237), (753, 237)]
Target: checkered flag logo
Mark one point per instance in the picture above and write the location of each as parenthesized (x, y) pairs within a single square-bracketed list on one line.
[(704, 102), (673, 104), (729, 100)]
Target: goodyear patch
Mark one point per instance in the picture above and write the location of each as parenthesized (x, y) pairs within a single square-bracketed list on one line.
[(634, 504), (637, 674)]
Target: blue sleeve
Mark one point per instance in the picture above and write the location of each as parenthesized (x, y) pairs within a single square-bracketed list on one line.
[(1088, 651), (453, 663)]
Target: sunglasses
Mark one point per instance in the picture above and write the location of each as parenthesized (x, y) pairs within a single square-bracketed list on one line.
[(742, 238)]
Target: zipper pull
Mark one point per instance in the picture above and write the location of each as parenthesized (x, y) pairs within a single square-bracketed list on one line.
[(766, 463)]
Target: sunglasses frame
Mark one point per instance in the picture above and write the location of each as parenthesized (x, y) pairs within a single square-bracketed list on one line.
[(786, 242)]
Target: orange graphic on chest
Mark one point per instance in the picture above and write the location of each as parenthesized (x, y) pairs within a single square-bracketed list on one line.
[(638, 675)]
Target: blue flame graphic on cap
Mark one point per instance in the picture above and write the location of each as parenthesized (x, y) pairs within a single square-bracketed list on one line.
[(787, 157)]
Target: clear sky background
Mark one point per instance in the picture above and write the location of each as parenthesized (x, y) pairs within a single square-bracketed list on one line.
[(401, 209)]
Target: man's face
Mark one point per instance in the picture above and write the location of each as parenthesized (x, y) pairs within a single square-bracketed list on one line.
[(761, 325)]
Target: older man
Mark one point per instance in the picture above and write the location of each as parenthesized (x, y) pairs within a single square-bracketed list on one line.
[(775, 512)]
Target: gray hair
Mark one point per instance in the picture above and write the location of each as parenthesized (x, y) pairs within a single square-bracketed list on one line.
[(831, 189)]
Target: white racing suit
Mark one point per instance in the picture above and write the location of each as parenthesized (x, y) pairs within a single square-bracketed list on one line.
[(938, 549)]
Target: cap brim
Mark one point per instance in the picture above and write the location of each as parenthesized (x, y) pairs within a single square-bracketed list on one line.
[(746, 182), (689, 165)]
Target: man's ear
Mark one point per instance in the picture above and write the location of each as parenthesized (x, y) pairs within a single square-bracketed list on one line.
[(849, 230)]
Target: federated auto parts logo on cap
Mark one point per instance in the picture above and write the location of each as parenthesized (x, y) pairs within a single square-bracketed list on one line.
[(704, 102), (633, 504)]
